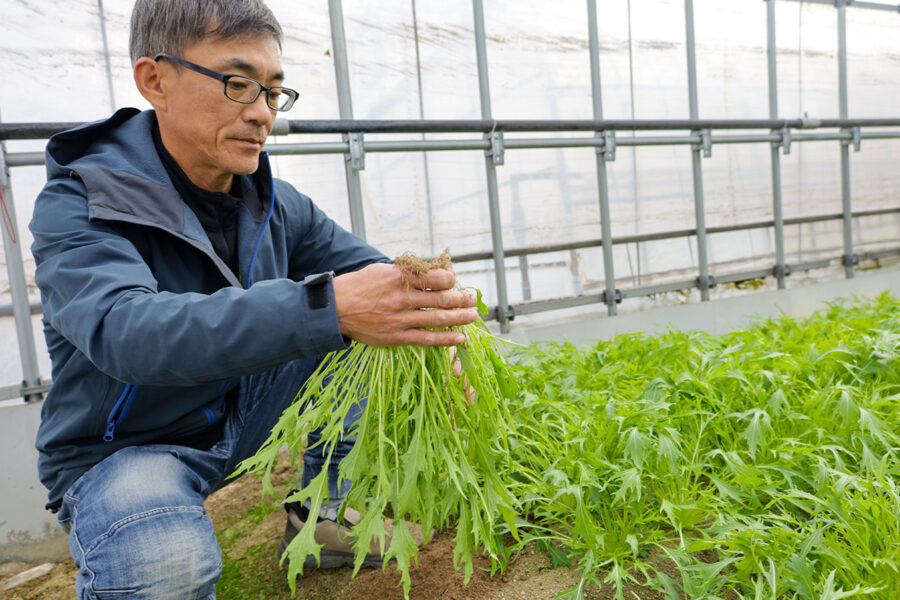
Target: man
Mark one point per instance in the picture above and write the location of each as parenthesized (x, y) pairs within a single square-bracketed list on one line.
[(187, 295)]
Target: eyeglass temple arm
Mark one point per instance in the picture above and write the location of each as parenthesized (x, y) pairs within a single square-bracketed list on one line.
[(191, 66)]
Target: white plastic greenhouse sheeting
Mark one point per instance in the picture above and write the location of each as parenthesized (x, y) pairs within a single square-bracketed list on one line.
[(539, 68), (55, 69)]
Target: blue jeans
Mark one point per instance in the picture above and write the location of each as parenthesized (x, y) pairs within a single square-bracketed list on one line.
[(136, 522)]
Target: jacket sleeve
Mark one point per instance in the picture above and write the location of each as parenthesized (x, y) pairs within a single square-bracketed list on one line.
[(99, 294), (318, 244)]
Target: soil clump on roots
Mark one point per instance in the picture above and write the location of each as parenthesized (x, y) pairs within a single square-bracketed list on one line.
[(410, 264)]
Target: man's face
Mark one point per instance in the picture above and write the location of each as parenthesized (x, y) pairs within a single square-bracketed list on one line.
[(211, 137)]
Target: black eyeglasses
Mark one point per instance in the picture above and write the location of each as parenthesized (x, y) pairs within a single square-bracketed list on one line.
[(242, 89)]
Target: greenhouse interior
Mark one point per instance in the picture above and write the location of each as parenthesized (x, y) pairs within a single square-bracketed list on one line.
[(682, 220)]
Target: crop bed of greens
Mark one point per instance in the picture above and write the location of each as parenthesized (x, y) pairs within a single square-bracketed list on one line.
[(763, 463)]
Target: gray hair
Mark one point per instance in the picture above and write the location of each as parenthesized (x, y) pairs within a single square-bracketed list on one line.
[(172, 25)]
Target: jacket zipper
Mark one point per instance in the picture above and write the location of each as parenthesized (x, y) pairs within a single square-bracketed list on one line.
[(210, 416), (265, 225), (123, 403), (119, 410)]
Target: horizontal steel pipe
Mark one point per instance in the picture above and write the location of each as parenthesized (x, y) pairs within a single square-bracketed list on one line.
[(308, 148), (745, 139), (820, 137), (552, 143), (23, 159), (895, 8), (876, 135), (744, 275), (668, 235), (662, 288), (875, 255), (849, 122), (515, 252), (537, 306), (485, 126), (431, 145), (11, 392), (34, 305), (32, 131), (814, 264), (658, 140)]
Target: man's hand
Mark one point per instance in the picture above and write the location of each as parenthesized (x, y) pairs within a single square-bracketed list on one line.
[(375, 306)]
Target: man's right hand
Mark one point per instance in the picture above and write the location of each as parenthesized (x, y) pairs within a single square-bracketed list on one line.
[(376, 306)]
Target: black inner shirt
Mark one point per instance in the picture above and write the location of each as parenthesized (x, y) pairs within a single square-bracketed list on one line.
[(218, 215), (216, 211)]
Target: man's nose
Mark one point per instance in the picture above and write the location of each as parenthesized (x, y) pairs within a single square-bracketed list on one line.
[(259, 110)]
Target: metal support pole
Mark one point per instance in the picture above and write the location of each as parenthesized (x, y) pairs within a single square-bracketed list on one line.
[(610, 295), (849, 258), (31, 375), (428, 202), (781, 270), (518, 216), (109, 82), (491, 159), (342, 77), (699, 210)]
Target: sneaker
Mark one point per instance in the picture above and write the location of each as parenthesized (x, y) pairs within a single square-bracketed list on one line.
[(335, 537)]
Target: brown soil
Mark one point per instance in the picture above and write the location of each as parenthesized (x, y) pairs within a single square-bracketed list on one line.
[(249, 531), (410, 263), (58, 584)]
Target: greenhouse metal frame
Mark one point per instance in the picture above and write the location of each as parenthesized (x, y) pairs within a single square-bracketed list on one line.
[(701, 136)]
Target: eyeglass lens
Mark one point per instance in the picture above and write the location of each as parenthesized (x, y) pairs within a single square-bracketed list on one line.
[(245, 90)]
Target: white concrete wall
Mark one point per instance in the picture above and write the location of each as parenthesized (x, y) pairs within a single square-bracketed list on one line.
[(28, 533), (719, 316)]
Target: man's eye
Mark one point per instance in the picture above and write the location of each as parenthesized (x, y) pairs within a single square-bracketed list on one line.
[(237, 85)]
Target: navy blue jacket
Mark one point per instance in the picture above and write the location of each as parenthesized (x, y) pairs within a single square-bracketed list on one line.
[(146, 327)]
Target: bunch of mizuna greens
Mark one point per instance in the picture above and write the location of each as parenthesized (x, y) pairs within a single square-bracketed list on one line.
[(430, 445)]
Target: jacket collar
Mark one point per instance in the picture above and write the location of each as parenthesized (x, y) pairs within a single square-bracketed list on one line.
[(126, 180)]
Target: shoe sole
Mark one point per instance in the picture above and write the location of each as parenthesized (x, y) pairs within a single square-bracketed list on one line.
[(328, 559)]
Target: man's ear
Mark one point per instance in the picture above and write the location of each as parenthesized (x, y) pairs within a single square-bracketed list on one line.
[(150, 82)]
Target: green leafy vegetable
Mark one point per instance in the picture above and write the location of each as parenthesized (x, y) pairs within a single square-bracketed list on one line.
[(763, 463), (427, 450)]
